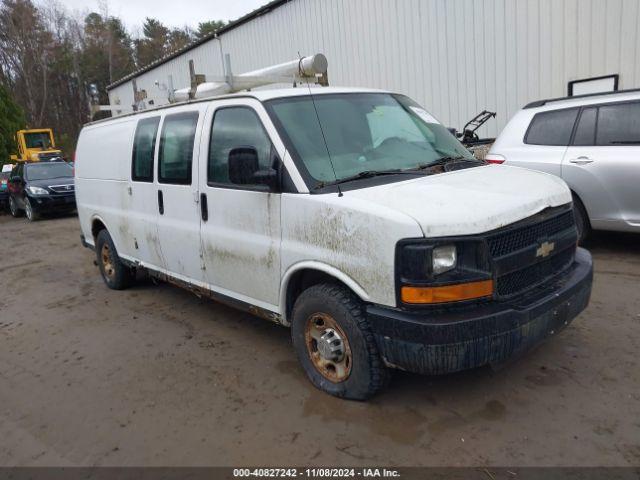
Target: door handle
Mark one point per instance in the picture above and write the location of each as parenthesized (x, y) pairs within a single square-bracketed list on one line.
[(204, 208), (160, 202), (581, 160)]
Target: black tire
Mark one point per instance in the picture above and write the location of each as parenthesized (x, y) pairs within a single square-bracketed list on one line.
[(367, 373), (13, 208), (116, 275), (582, 220), (30, 213)]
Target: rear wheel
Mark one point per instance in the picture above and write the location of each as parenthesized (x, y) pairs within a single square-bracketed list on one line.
[(13, 208), (32, 215), (334, 343), (582, 220), (116, 275)]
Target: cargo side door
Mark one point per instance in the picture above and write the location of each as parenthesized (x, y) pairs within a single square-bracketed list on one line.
[(241, 223), (177, 193), (139, 223)]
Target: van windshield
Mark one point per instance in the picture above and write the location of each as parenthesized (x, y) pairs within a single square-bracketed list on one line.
[(364, 132)]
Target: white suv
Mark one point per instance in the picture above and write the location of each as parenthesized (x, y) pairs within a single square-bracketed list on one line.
[(593, 143)]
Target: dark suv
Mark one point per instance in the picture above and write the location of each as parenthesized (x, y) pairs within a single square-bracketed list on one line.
[(40, 188)]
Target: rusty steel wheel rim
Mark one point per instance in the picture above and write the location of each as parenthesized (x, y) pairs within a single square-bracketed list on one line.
[(107, 264), (328, 347)]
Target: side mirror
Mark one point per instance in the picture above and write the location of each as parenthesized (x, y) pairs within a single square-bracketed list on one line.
[(244, 169)]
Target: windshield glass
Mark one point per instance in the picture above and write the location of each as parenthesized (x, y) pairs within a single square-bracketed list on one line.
[(45, 171), (37, 140), (364, 132)]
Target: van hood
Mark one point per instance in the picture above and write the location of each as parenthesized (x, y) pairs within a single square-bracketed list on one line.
[(470, 201)]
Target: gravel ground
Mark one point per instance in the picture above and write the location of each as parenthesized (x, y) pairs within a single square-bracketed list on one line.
[(156, 376)]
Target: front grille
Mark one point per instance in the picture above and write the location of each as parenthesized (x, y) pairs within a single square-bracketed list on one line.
[(533, 275), (515, 239), (515, 250), (70, 188)]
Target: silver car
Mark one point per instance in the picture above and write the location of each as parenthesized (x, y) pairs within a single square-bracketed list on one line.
[(593, 143)]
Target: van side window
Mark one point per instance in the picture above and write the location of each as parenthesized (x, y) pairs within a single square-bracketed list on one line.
[(176, 148), (619, 124), (551, 128), (144, 145), (586, 130), (235, 127)]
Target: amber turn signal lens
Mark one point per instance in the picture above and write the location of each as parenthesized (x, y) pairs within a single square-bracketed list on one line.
[(448, 293)]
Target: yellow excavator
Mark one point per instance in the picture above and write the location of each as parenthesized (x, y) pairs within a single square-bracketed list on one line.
[(36, 145)]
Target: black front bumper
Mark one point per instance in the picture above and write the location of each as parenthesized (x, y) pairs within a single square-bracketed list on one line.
[(446, 341), (53, 203)]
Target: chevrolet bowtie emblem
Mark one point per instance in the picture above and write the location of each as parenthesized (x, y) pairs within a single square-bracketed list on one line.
[(545, 249)]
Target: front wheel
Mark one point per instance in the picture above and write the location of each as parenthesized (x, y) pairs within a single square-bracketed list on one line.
[(13, 208), (116, 275), (32, 215), (334, 343)]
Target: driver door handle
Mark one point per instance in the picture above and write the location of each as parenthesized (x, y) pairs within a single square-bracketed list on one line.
[(581, 160)]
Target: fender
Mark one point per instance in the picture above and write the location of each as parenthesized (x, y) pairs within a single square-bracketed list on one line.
[(92, 241), (322, 267)]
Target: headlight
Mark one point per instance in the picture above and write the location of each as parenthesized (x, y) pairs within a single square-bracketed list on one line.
[(431, 271), (444, 258), (37, 191)]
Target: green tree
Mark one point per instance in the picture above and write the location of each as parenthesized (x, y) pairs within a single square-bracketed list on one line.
[(11, 120), (207, 28), (154, 44), (179, 38), (107, 53)]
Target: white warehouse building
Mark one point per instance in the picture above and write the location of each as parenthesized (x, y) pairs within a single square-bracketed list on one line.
[(455, 57)]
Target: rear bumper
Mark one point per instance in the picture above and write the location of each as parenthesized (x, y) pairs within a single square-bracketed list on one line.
[(449, 341)]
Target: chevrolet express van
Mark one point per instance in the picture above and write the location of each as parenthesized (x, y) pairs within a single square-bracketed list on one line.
[(352, 216)]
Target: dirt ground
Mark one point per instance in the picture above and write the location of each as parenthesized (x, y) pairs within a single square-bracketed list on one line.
[(156, 376)]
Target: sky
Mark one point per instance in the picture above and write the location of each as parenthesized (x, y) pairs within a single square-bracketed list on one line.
[(171, 13)]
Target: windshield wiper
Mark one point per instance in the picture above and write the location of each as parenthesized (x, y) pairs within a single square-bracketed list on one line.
[(444, 161), (365, 174), (440, 161)]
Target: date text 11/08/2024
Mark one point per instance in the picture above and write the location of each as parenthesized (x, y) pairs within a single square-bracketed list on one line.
[(316, 472)]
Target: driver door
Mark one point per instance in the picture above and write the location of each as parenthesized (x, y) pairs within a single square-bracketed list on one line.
[(241, 223)]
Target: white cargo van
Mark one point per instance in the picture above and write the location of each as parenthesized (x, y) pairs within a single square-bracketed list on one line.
[(351, 216)]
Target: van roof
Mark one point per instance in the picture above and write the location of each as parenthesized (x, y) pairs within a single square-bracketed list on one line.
[(261, 95), (302, 90)]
